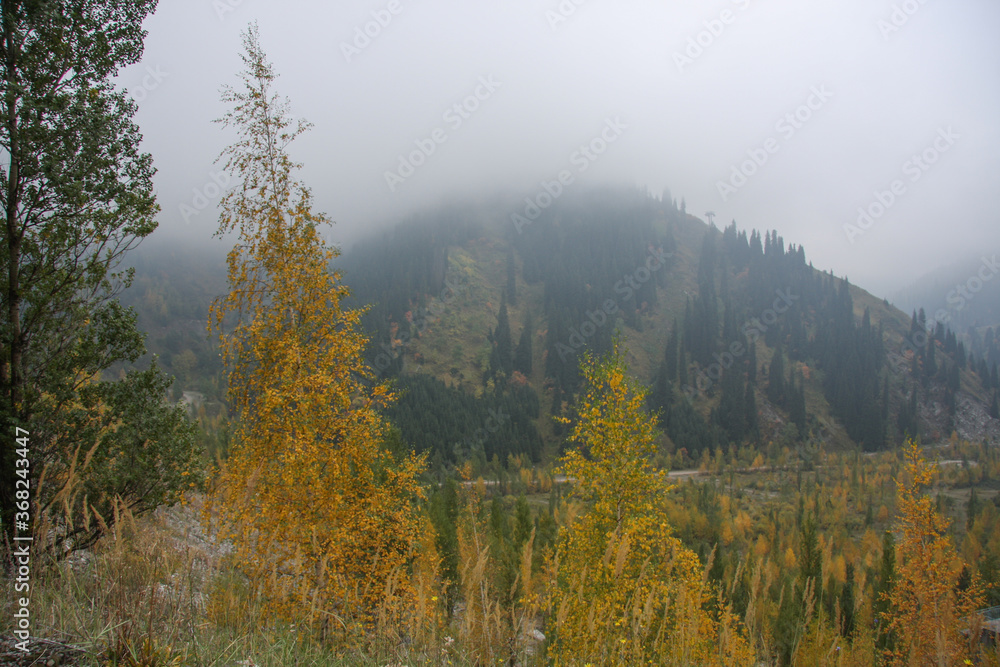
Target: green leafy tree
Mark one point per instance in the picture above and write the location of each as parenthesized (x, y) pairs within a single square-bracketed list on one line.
[(76, 194), (132, 450)]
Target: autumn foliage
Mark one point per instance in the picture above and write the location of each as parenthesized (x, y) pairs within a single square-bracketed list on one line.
[(627, 591), (321, 514), (927, 611)]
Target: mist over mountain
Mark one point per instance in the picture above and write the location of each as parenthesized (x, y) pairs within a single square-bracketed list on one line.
[(739, 336), (518, 333), (963, 295), (867, 135)]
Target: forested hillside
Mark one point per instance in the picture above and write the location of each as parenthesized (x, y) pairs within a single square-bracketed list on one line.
[(740, 339)]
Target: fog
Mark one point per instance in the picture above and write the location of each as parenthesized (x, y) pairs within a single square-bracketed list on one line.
[(776, 114)]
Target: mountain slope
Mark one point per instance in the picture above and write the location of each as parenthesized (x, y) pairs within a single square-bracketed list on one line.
[(453, 290)]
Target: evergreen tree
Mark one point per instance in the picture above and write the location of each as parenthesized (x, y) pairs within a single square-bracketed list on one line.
[(523, 353), (776, 379), (660, 394), (797, 403), (511, 277), (731, 413), (930, 368), (883, 588), (885, 399), (671, 353), (971, 509), (682, 367), (501, 358), (443, 512), (750, 411), (847, 602), (906, 420), (811, 563)]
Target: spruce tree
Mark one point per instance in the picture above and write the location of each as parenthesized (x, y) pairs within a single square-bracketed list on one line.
[(797, 403), (511, 278), (682, 367), (884, 585), (750, 411), (523, 352), (501, 358), (776, 379), (847, 602), (971, 509), (731, 414), (671, 352)]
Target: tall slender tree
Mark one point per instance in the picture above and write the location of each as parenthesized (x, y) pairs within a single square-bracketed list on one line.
[(319, 509), (776, 378), (523, 351), (502, 355), (511, 276)]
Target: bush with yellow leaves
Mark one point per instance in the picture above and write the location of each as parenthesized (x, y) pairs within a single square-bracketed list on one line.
[(626, 591)]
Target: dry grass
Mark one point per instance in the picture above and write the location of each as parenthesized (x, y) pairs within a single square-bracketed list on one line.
[(156, 592)]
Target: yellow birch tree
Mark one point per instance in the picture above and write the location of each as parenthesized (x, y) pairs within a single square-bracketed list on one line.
[(626, 591), (322, 516), (926, 610)]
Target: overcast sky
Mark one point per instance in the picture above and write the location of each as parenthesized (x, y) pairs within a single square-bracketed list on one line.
[(780, 114)]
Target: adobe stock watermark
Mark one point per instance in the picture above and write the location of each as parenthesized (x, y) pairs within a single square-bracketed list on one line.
[(476, 441), (899, 17), (956, 300), (205, 195), (223, 7), (914, 168), (752, 330), (562, 13), (714, 28), (365, 34), (626, 287), (585, 155), (455, 116), (21, 552), (787, 126), (152, 79), (424, 317), (965, 292)]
